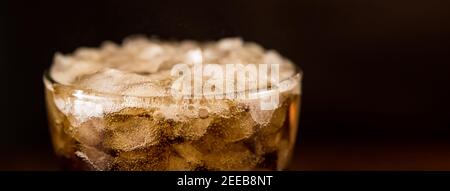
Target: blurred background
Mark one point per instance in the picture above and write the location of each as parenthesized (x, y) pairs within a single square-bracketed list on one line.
[(376, 72)]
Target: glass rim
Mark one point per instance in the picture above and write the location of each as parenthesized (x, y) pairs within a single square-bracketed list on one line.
[(49, 82)]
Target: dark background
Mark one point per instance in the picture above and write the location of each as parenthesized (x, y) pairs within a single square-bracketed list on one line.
[(376, 72)]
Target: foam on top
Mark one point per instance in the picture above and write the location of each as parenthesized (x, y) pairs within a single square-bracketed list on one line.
[(141, 67)]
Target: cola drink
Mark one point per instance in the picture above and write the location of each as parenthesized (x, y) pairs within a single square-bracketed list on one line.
[(111, 108)]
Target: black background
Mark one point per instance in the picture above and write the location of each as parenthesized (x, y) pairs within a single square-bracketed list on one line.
[(376, 72)]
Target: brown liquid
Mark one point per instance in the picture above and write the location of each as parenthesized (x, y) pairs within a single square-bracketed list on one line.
[(133, 139)]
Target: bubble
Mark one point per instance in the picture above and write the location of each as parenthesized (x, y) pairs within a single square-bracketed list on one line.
[(203, 113)]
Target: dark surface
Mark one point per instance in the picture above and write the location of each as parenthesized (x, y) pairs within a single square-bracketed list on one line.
[(375, 91)]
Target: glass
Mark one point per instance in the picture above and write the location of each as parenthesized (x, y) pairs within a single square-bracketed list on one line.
[(88, 135)]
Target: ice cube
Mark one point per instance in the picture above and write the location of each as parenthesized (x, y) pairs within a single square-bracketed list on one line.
[(63, 143), (276, 121), (270, 134), (279, 116), (176, 163), (120, 83), (131, 128), (189, 153), (232, 157), (90, 132), (236, 128), (192, 129), (144, 89), (266, 143), (80, 105), (59, 124), (209, 142), (66, 69), (94, 157), (150, 158)]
